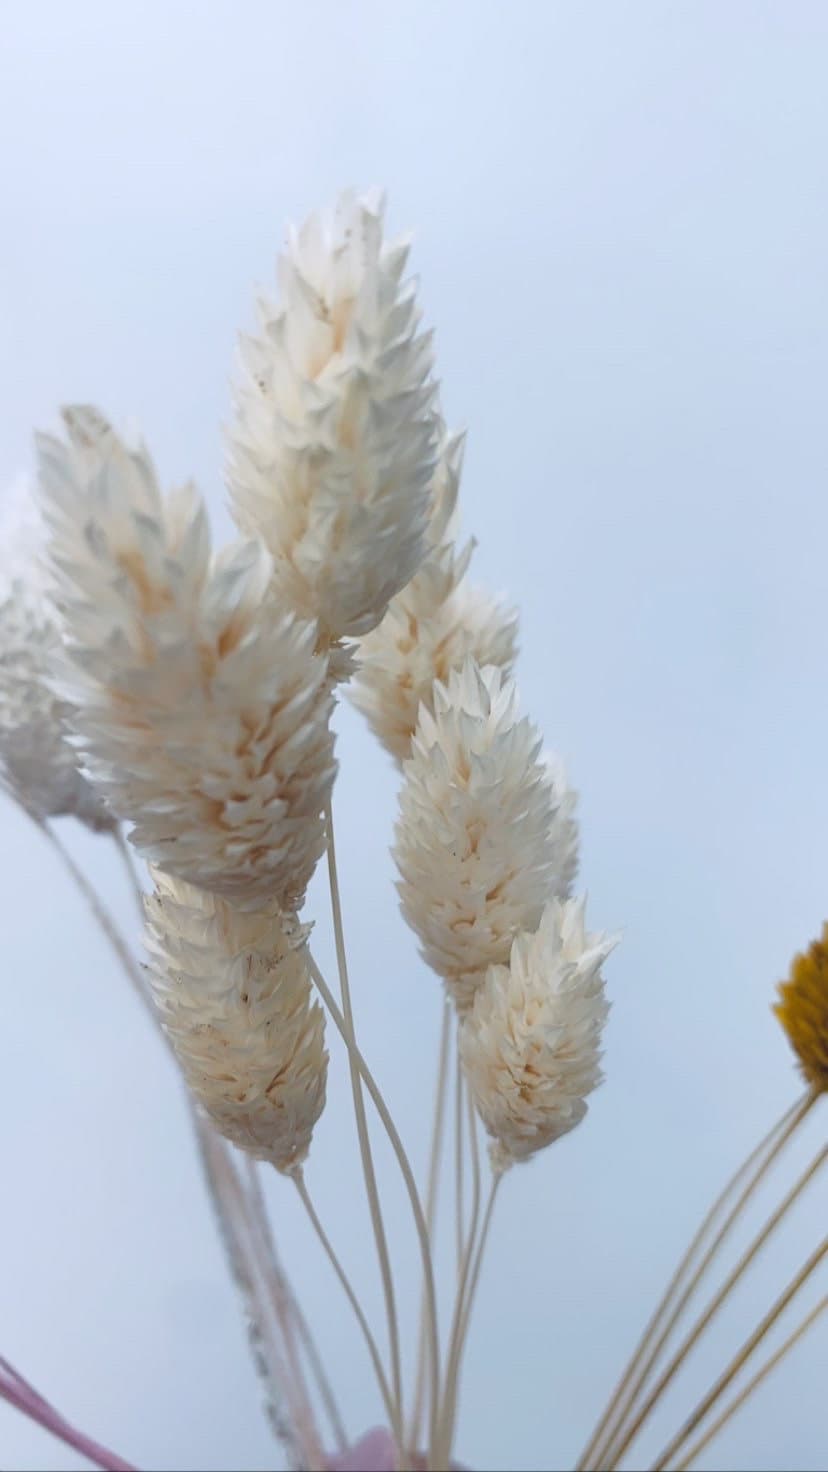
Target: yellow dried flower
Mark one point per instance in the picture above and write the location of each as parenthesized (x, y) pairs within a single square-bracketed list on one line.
[(803, 1011)]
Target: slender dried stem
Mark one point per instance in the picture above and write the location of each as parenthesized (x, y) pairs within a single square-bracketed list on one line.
[(410, 1185), (437, 1132), (459, 1203), (464, 1302), (23, 1396), (128, 861), (742, 1357), (303, 1328), (747, 1390), (713, 1307), (324, 1239), (602, 1452), (366, 1155)]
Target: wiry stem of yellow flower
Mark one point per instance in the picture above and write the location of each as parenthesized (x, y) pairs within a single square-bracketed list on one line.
[(702, 1322), (376, 1360), (747, 1390), (431, 1209), (600, 1446), (366, 1155), (742, 1357)]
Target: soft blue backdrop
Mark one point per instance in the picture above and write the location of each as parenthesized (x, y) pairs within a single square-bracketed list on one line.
[(621, 232)]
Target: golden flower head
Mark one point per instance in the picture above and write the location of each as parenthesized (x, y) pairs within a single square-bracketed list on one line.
[(803, 1011)]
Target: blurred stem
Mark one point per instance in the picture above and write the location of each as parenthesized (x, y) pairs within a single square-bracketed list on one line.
[(217, 1167), (309, 1345), (742, 1357), (437, 1132), (713, 1307), (385, 1390), (755, 1381), (368, 1171), (410, 1185), (601, 1445)]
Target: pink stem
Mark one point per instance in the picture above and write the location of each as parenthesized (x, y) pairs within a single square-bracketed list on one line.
[(19, 1393)]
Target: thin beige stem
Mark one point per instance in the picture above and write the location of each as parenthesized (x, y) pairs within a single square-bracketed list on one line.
[(464, 1302), (303, 1328), (459, 1203), (382, 1379), (297, 1434), (608, 1452), (102, 917), (410, 1185), (756, 1380), (366, 1155), (713, 1307), (742, 1357), (437, 1132), (474, 1142), (128, 861)]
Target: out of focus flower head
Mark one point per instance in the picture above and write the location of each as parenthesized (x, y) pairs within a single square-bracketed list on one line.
[(38, 766), (235, 1000)]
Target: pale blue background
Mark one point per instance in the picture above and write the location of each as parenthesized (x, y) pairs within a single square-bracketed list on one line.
[(622, 235)]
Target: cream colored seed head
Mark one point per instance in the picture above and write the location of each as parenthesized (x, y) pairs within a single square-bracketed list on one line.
[(531, 1043), (333, 447), (38, 766), (234, 996), (197, 703), (485, 831)]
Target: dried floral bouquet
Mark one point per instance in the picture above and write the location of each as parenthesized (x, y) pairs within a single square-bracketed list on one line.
[(147, 680)]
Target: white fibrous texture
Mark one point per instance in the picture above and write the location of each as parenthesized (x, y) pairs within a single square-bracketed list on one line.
[(432, 626), (234, 996), (198, 703), (485, 833), (334, 443), (38, 767), (531, 1044)]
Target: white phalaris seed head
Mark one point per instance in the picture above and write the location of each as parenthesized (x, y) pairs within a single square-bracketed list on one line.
[(531, 1043), (234, 996), (333, 447), (198, 704), (432, 626), (38, 767), (485, 830)]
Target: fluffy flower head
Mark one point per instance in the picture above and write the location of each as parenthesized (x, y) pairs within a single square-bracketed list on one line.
[(803, 1011), (484, 835), (37, 765), (531, 1044), (199, 705), (333, 449), (234, 996)]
